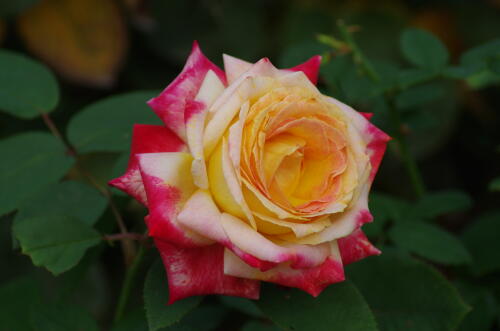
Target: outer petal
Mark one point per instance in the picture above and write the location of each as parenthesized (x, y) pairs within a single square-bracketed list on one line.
[(168, 184), (376, 139), (235, 67), (200, 271), (310, 68), (356, 247), (210, 89), (145, 139), (312, 280), (172, 104), (250, 246)]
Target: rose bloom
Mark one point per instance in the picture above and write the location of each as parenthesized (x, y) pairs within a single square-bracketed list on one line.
[(255, 176)]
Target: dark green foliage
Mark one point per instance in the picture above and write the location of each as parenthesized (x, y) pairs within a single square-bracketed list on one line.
[(158, 314), (340, 307)]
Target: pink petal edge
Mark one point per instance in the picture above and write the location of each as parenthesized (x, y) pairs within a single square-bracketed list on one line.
[(355, 247), (310, 68), (176, 101), (200, 271), (145, 139)]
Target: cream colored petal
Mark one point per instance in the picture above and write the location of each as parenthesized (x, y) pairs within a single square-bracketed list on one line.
[(234, 67), (210, 89)]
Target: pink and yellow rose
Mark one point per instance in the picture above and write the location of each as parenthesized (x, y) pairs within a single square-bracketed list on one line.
[(255, 176)]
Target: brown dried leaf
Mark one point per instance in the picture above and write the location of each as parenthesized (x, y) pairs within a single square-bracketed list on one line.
[(83, 40)]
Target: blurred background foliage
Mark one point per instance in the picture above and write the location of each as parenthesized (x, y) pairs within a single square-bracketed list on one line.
[(428, 70)]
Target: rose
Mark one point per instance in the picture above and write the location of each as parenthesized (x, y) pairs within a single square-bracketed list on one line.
[(255, 176)]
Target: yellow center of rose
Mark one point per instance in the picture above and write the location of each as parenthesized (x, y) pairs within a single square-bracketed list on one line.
[(295, 163)]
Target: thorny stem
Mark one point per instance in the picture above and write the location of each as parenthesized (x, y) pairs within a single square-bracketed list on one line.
[(400, 139), (128, 246)]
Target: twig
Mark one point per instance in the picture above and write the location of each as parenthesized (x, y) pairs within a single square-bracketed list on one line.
[(128, 246), (122, 236)]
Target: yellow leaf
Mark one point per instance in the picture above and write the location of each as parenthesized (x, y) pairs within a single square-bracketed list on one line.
[(83, 40)]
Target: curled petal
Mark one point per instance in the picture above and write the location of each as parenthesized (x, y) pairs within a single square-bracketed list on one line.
[(312, 280), (255, 249), (355, 247), (172, 103), (210, 89), (145, 139), (199, 271)]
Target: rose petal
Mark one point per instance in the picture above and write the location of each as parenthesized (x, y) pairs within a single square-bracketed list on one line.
[(168, 185), (310, 68), (199, 271), (252, 83), (208, 224), (355, 247), (312, 280), (343, 224), (250, 241), (171, 104), (210, 89), (255, 249), (234, 67), (375, 138), (145, 139)]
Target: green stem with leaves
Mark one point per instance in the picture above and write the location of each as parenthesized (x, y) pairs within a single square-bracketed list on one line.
[(400, 139)]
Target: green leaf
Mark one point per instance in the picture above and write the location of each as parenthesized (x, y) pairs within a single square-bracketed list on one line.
[(70, 198), (27, 88), (135, 321), (481, 238), (419, 95), (56, 242), (495, 185), (484, 307), (12, 7), (158, 314), (61, 317), (384, 208), (443, 202), (106, 126), (30, 161), (17, 298), (430, 242), (339, 307), (406, 294), (423, 49), (259, 326), (480, 55), (414, 76), (202, 318), (243, 305)]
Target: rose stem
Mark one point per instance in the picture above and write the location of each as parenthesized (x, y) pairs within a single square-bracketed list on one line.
[(128, 246), (400, 139), (128, 281)]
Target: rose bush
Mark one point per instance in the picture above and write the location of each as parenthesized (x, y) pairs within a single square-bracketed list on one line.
[(255, 176)]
